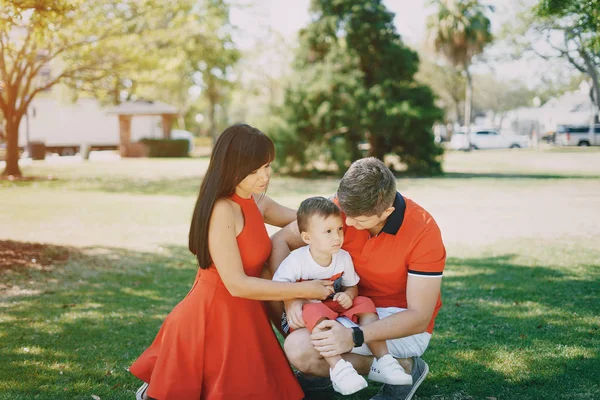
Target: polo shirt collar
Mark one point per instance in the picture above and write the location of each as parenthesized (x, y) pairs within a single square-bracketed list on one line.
[(396, 218)]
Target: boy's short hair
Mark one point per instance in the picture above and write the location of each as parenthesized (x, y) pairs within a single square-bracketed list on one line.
[(315, 206), (367, 188)]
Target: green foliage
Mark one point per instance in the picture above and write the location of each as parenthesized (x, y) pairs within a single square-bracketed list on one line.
[(447, 83), (167, 147), (571, 29), (354, 83), (520, 315), (110, 48), (585, 15), (460, 30), (500, 96)]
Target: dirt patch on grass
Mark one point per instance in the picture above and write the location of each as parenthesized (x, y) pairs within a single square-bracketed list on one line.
[(23, 255)]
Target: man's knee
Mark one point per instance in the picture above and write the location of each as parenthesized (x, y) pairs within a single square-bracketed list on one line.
[(299, 350)]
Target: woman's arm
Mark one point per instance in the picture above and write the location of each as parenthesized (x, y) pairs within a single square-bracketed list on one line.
[(225, 254), (277, 215)]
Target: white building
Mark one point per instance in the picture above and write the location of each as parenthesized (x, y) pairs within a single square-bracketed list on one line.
[(572, 108)]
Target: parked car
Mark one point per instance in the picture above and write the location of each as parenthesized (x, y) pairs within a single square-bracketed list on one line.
[(183, 134), (483, 138), (577, 135)]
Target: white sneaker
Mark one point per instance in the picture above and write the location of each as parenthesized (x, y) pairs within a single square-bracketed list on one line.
[(388, 370), (345, 379), (141, 392)]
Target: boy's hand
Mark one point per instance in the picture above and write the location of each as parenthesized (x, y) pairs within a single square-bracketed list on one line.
[(343, 300)]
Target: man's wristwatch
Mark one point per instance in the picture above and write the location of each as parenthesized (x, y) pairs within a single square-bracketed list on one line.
[(357, 336)]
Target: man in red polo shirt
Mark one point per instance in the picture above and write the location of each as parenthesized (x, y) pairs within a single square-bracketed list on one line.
[(398, 253)]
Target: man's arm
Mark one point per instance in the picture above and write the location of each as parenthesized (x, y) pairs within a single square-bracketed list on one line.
[(425, 267), (421, 294)]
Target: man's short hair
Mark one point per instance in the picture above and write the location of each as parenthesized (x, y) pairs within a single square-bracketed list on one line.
[(367, 188), (312, 206)]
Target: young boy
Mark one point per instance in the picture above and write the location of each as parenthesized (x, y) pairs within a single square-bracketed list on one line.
[(321, 228)]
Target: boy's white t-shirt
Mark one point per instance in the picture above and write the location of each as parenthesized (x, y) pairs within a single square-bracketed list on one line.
[(300, 266)]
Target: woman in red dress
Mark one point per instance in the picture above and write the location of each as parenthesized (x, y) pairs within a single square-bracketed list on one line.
[(217, 343)]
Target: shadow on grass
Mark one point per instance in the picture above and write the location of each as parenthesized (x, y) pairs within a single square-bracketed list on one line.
[(490, 175), (188, 186), (515, 331), (90, 320), (506, 330)]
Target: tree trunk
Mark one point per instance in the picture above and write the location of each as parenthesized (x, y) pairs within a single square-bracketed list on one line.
[(596, 108), (181, 121), (594, 94), (457, 110), (375, 148), (468, 106), (12, 146), (212, 123)]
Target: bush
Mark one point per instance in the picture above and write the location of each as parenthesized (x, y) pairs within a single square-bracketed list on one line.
[(167, 147)]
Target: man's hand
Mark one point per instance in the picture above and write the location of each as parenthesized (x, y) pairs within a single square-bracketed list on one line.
[(343, 299), (293, 312), (332, 338)]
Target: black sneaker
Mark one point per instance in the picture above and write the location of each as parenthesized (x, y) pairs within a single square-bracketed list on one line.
[(419, 371), (315, 387)]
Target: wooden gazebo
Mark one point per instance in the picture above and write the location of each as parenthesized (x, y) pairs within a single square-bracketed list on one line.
[(126, 111)]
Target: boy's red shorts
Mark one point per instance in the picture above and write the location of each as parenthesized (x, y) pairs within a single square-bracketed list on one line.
[(330, 309)]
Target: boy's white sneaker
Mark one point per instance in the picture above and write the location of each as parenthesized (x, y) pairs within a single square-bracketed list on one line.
[(388, 370), (345, 379)]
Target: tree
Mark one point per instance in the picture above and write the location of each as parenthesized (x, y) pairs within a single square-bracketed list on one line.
[(553, 33), (213, 55), (353, 83), (459, 31), (262, 76), (88, 45), (491, 94), (203, 56), (447, 83), (585, 15)]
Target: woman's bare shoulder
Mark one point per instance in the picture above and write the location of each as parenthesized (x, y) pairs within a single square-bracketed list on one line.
[(225, 208)]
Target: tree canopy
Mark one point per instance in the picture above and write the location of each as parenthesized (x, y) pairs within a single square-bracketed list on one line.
[(106, 47), (354, 83)]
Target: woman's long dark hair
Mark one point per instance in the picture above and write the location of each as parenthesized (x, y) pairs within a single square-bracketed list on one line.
[(239, 150)]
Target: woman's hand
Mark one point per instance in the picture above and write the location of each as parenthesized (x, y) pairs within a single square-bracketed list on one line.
[(318, 289), (293, 312)]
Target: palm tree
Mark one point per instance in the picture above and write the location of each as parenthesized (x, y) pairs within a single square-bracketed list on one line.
[(459, 31)]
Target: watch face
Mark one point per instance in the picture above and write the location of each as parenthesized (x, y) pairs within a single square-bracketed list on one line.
[(357, 337)]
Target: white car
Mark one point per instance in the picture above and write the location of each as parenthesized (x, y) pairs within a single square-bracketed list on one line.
[(183, 134), (572, 135), (482, 138)]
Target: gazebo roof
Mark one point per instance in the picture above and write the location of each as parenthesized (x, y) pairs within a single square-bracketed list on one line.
[(143, 107)]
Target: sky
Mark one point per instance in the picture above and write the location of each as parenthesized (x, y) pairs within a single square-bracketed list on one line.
[(289, 16)]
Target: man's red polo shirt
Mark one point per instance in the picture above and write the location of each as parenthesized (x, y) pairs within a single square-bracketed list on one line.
[(410, 243)]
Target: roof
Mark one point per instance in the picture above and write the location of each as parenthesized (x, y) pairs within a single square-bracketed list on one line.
[(143, 107)]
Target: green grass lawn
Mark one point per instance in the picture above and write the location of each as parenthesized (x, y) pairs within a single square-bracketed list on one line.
[(521, 304)]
